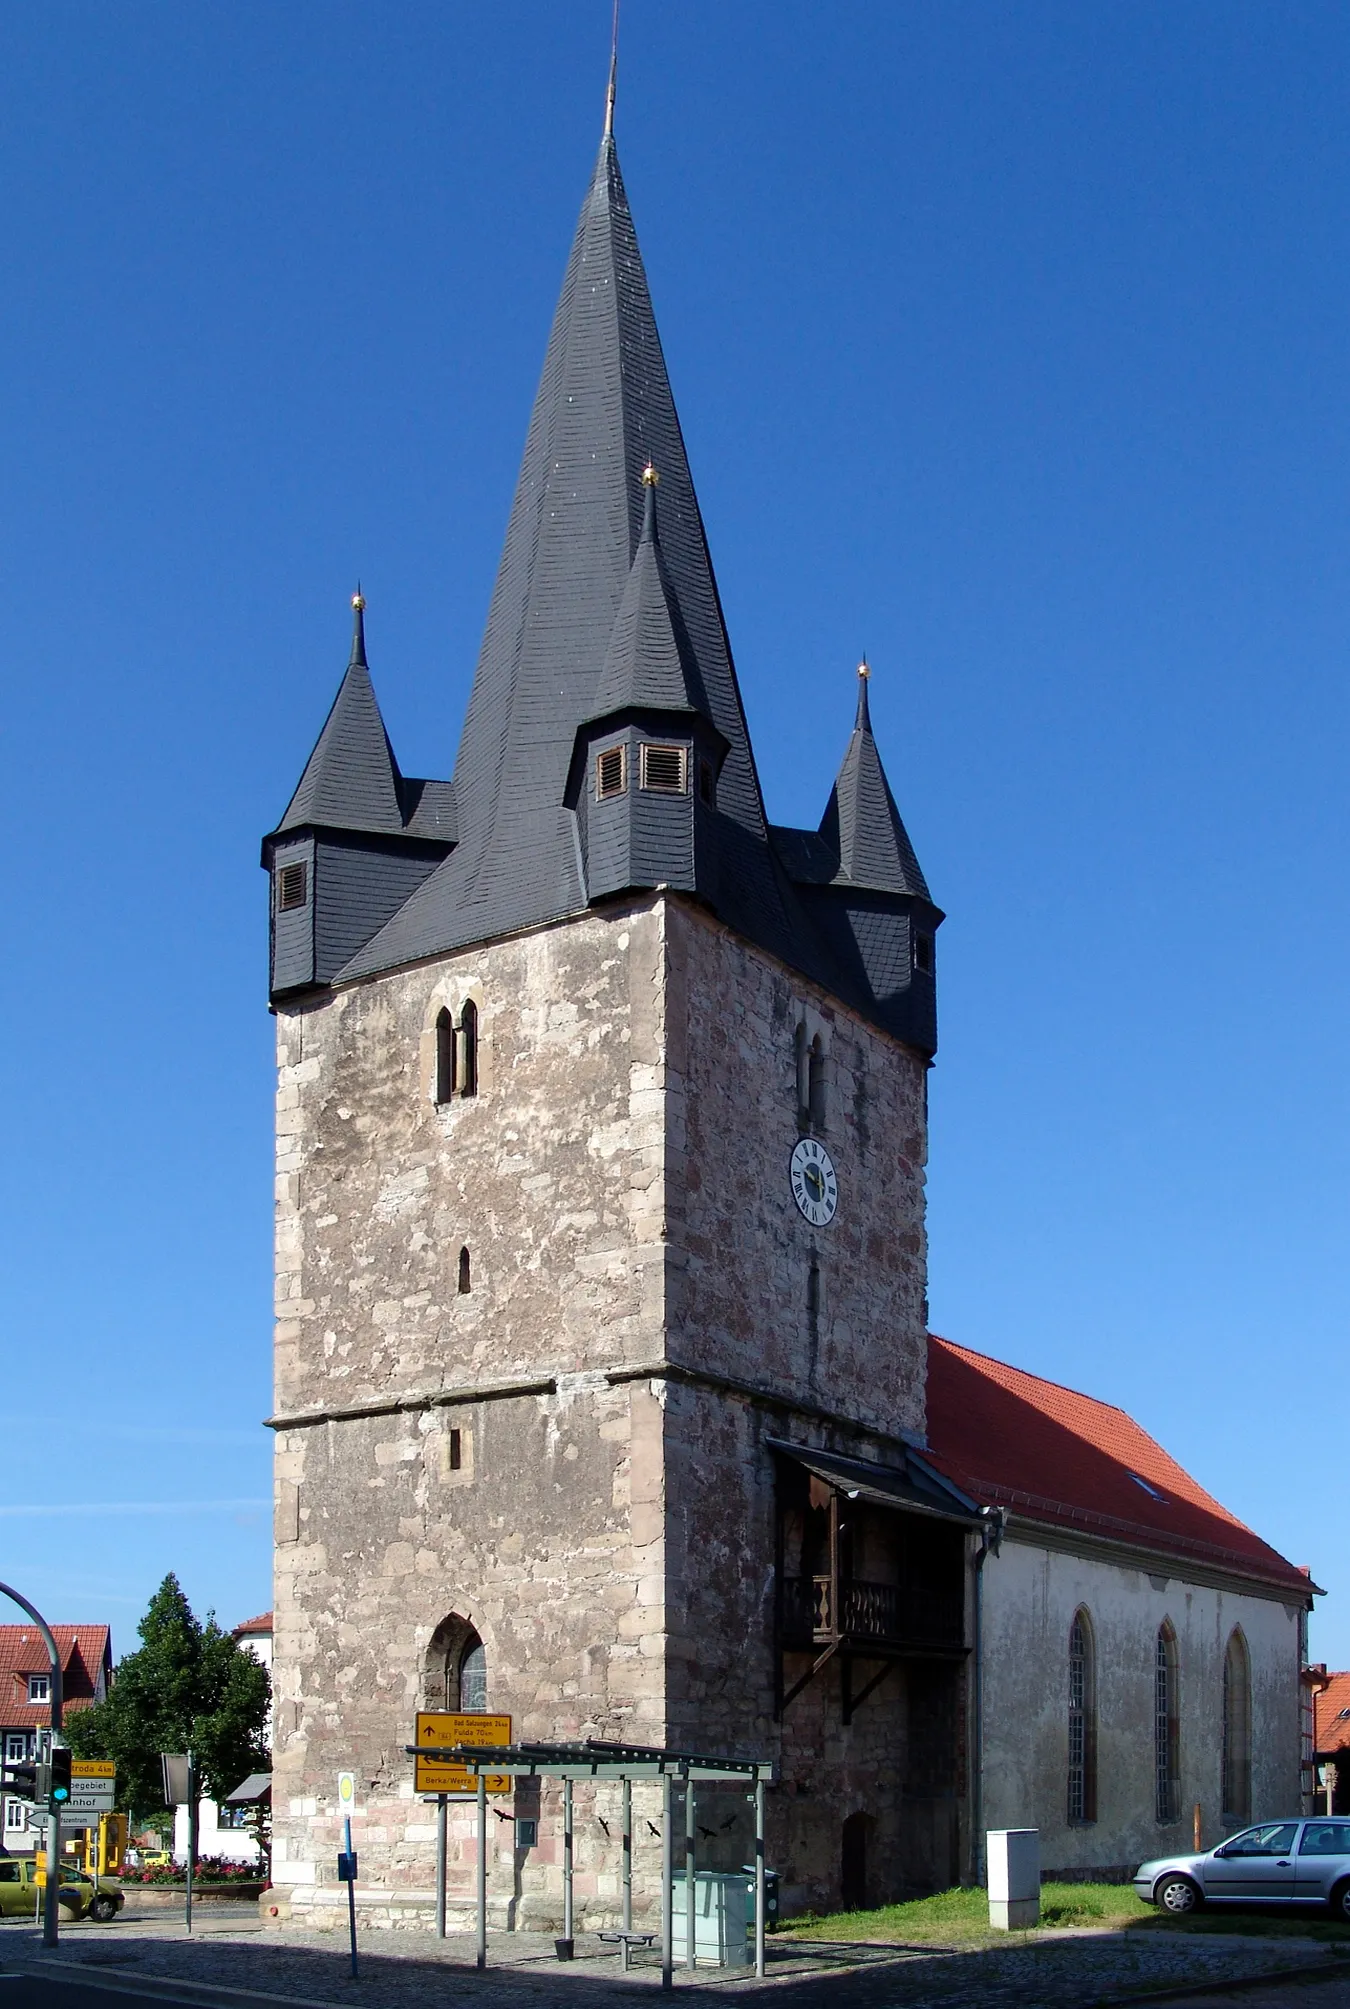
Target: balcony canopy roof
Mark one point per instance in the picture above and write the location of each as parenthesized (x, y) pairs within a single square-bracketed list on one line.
[(911, 1486)]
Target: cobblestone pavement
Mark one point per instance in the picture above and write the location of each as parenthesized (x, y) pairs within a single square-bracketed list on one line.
[(1332, 1994), (1059, 1970)]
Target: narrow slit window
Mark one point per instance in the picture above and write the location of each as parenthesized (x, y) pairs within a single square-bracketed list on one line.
[(465, 1280), (802, 1056), (664, 770), (923, 954), (611, 772), (816, 1085), (1082, 1723), (292, 886), (468, 1049), (446, 1068), (813, 1297), (456, 1451)]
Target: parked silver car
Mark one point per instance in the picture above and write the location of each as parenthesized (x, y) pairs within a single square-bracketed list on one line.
[(1279, 1862)]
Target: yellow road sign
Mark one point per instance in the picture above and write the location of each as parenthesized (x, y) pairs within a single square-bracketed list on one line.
[(433, 1775), (92, 1768)]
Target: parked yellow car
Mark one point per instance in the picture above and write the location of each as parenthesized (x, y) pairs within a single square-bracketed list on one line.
[(80, 1896)]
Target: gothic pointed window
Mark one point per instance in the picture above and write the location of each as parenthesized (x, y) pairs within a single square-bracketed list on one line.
[(815, 1091), (465, 1280), (1166, 1729), (802, 1051), (445, 1056), (1082, 1721), (468, 1049), (473, 1678), (1237, 1732)]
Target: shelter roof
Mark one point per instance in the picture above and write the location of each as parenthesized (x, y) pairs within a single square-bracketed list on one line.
[(1332, 1715), (86, 1655), (591, 1758), (1052, 1455), (910, 1483)]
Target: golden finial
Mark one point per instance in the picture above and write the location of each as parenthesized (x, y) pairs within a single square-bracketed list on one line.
[(864, 669), (359, 600), (649, 476)]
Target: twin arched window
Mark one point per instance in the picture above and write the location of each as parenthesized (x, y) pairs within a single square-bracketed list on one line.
[(457, 1053), (1237, 1732), (1082, 1720), (1166, 1726), (810, 1081)]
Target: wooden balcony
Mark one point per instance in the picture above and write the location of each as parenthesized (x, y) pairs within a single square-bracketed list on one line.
[(889, 1619)]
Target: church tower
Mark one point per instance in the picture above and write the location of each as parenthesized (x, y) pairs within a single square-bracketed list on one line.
[(601, 1130)]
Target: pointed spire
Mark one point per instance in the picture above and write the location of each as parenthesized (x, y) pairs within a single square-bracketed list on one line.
[(351, 780), (861, 823), (612, 91), (650, 664)]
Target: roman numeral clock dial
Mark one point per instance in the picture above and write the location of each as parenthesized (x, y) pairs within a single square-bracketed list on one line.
[(815, 1187)]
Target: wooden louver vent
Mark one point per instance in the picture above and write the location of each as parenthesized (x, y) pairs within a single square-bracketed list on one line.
[(610, 777), (292, 887), (663, 769)]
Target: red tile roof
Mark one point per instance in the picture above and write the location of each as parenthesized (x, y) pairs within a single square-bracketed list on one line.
[(262, 1623), (1052, 1455), (84, 1651), (1332, 1710)]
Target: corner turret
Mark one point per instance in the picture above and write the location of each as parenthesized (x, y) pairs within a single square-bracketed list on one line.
[(356, 839)]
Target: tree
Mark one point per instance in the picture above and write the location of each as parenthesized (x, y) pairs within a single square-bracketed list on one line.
[(187, 1687)]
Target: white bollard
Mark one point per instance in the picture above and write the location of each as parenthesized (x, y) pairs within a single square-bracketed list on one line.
[(1014, 1859)]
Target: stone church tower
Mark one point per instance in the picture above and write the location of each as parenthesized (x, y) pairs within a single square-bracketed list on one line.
[(600, 1341)]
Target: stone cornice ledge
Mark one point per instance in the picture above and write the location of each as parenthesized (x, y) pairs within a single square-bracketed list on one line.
[(547, 1384)]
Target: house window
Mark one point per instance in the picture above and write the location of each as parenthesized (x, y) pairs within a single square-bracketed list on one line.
[(923, 953), (292, 886), (16, 1747), (445, 1056), (1165, 1729), (611, 772), (1237, 1733), (664, 770), (39, 1688), (465, 1278), (1082, 1721), (473, 1679), (16, 1817), (707, 784)]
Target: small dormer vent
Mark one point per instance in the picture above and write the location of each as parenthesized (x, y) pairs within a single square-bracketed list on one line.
[(292, 887), (610, 773), (664, 770)]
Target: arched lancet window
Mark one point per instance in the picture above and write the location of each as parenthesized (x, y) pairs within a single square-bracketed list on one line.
[(445, 1056), (1082, 1720), (1166, 1755), (468, 1049), (815, 1099), (456, 1668), (1237, 1732), (473, 1679), (465, 1280), (813, 1297)]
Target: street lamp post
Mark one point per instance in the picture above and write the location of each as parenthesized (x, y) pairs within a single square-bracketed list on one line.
[(51, 1906)]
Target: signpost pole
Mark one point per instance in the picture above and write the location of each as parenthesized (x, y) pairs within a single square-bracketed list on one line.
[(567, 1867), (482, 1870), (667, 1882), (441, 1805), (689, 1952), (759, 1878), (351, 1890), (628, 1855), (192, 1832)]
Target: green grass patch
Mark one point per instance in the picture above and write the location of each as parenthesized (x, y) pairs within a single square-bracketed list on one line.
[(961, 1918)]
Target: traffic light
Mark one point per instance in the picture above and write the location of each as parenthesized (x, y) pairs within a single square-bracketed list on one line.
[(20, 1781), (61, 1756)]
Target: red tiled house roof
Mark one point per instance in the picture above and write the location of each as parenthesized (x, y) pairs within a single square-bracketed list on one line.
[(1057, 1457), (1332, 1715), (86, 1664), (262, 1623)]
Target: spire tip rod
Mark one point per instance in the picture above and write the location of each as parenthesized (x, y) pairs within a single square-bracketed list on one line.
[(613, 74)]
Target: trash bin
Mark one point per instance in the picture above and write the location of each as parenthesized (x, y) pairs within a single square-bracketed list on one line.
[(770, 1897)]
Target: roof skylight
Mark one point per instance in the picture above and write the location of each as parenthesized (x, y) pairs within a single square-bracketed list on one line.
[(1152, 1491)]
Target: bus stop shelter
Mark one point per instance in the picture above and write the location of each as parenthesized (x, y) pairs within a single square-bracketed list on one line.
[(592, 1760)]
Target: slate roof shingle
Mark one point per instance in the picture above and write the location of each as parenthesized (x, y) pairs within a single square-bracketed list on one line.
[(1053, 1455)]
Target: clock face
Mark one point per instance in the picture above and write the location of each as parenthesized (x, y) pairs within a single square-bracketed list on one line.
[(814, 1185)]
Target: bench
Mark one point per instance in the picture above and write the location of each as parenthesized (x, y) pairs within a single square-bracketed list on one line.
[(626, 1941)]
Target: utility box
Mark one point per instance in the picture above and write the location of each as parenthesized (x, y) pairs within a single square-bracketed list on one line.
[(721, 1916), (1014, 1877)]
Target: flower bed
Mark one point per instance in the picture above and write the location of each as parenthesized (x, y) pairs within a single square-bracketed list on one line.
[(211, 1870)]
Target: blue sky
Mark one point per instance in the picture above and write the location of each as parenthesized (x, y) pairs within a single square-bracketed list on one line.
[(1009, 343)]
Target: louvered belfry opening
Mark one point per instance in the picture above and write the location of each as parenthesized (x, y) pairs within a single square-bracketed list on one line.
[(292, 887)]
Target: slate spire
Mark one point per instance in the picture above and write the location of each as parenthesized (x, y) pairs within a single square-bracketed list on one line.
[(650, 663), (861, 823), (603, 412), (351, 780)]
